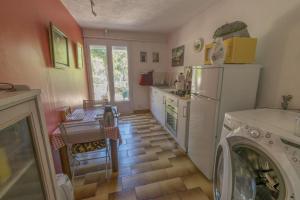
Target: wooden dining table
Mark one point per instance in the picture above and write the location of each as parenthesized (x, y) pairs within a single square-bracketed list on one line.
[(84, 127)]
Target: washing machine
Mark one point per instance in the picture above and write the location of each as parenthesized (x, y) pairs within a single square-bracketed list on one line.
[(258, 156)]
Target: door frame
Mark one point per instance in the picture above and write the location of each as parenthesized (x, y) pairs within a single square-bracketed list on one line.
[(124, 106)]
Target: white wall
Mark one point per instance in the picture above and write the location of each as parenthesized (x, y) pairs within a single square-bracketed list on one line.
[(275, 23), (141, 93), (137, 41)]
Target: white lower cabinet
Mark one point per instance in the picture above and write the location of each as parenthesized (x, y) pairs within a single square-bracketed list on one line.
[(157, 101), (157, 105), (161, 107), (152, 97), (182, 125)]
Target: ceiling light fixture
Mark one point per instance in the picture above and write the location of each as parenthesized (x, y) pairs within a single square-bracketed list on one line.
[(93, 7)]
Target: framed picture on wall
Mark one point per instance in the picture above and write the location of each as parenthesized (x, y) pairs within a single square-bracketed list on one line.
[(143, 57), (178, 56), (155, 57), (80, 55), (59, 47)]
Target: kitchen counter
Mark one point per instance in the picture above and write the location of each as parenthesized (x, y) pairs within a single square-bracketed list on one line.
[(172, 111), (167, 90)]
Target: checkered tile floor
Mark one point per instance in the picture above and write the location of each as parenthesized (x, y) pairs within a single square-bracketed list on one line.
[(151, 166)]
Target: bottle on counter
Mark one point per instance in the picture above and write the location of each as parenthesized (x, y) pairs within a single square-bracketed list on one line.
[(181, 82), (108, 117)]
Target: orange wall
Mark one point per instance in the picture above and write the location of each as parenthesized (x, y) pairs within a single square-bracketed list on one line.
[(25, 56)]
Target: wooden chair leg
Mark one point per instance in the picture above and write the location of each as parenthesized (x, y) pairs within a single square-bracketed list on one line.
[(65, 161), (106, 156), (114, 155)]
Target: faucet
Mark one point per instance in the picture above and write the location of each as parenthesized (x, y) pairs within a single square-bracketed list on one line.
[(285, 101)]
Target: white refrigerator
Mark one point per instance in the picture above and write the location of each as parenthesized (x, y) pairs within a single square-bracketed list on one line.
[(215, 91)]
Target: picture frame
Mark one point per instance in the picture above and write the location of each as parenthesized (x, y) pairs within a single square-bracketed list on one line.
[(143, 57), (155, 57), (80, 55), (178, 56), (59, 47)]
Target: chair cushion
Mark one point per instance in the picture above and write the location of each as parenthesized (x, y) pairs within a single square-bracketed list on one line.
[(88, 146)]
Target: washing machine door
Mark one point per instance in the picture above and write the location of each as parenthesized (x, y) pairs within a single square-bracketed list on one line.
[(255, 176), (222, 172)]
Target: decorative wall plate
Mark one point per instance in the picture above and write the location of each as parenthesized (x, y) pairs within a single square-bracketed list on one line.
[(198, 45)]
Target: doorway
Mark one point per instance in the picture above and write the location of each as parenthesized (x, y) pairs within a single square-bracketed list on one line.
[(108, 70)]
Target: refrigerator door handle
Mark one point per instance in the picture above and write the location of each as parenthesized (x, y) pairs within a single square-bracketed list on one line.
[(210, 99), (204, 97), (184, 112)]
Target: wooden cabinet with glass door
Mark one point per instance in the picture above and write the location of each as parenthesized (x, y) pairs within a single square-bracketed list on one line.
[(27, 170)]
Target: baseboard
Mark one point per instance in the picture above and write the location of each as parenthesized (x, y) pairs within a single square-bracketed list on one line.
[(141, 111)]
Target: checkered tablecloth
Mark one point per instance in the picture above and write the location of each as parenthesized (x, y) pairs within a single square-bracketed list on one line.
[(57, 141), (113, 133)]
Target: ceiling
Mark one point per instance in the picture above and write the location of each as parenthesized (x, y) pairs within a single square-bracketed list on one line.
[(136, 15)]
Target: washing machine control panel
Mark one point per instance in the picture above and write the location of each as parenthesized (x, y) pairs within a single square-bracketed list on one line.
[(259, 135), (292, 150), (266, 138), (254, 133)]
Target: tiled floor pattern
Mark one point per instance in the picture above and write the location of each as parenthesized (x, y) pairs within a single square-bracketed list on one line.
[(151, 166)]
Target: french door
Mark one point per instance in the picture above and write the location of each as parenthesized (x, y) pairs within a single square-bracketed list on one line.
[(108, 69)]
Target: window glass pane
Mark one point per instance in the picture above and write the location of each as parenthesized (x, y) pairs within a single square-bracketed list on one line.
[(19, 173), (120, 71), (99, 72)]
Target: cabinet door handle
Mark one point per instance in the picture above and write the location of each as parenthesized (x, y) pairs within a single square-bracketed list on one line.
[(184, 111)]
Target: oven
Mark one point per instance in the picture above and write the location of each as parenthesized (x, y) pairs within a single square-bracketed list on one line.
[(171, 115)]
